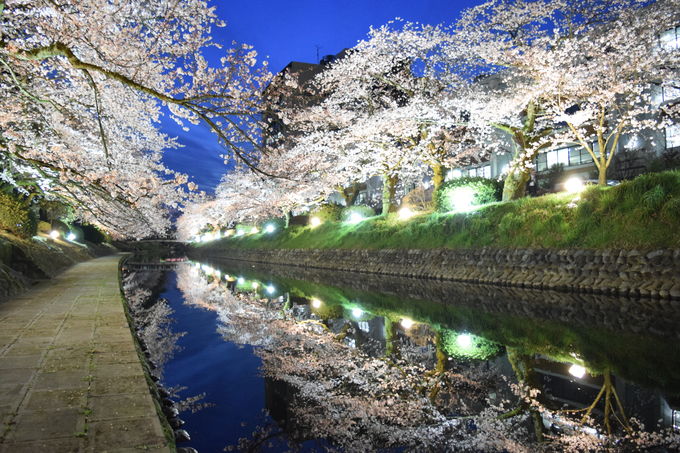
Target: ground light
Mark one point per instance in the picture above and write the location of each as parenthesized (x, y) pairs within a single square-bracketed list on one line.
[(254, 230), (406, 323), (462, 198), (241, 280), (315, 222), (574, 185), (357, 312), (577, 371), (255, 285), (405, 213), (316, 303), (271, 289), (355, 218), (269, 228), (71, 237), (54, 234), (464, 340)]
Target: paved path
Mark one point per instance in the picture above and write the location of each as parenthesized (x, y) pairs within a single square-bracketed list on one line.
[(70, 379)]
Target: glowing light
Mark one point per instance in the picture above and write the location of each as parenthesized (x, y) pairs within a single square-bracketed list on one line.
[(241, 280), (255, 285), (228, 233), (406, 323), (357, 312), (270, 289), (71, 237), (207, 237), (207, 269), (577, 371), (462, 198), (269, 228), (254, 230), (573, 185), (217, 274), (239, 233), (227, 277), (315, 222), (316, 303), (464, 340), (355, 217), (405, 213), (54, 234)]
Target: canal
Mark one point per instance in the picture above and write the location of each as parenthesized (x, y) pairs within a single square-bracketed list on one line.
[(267, 358)]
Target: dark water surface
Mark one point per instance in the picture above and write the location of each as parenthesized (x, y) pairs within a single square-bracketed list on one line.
[(567, 346)]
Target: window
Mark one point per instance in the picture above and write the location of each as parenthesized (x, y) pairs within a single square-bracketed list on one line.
[(480, 172), (673, 136), (569, 156), (675, 419), (363, 325), (670, 39), (662, 94)]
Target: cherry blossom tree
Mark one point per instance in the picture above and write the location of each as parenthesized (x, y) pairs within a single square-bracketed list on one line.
[(539, 54), (83, 85)]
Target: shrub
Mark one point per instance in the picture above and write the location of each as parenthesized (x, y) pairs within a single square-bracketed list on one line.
[(363, 211), (476, 190), (464, 346), (91, 233), (16, 216), (329, 212)]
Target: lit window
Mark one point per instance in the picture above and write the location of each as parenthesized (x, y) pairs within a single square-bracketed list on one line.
[(486, 171), (673, 136), (669, 39), (676, 419), (363, 325)]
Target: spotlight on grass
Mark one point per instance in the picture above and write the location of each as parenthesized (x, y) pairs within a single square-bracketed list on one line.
[(71, 237), (577, 371), (315, 222), (269, 229), (406, 323), (241, 280), (462, 198), (316, 303), (255, 285), (464, 340), (254, 230), (270, 289), (574, 185), (357, 312), (54, 234), (405, 213), (355, 218)]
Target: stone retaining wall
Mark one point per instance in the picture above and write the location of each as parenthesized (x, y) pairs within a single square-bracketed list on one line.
[(630, 273)]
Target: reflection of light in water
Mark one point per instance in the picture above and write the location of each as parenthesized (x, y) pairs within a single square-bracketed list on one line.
[(406, 323), (241, 280), (316, 303), (577, 371), (357, 312), (270, 289), (464, 340)]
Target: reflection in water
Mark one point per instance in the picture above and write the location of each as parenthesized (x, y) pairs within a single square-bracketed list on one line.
[(368, 375), (364, 363)]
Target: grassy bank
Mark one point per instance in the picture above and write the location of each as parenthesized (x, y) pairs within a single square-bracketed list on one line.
[(642, 213)]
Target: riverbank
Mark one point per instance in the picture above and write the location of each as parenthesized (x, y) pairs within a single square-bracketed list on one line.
[(24, 262), (619, 240), (640, 214)]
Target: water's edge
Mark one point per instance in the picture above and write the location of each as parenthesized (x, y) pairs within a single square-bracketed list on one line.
[(630, 273)]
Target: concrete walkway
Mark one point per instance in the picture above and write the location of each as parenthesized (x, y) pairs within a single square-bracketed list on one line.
[(70, 379)]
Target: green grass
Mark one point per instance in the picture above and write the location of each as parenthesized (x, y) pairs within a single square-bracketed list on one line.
[(642, 213)]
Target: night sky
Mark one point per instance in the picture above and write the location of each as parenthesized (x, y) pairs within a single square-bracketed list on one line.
[(290, 30)]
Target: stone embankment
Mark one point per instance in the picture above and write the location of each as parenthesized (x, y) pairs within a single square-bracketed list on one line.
[(630, 273)]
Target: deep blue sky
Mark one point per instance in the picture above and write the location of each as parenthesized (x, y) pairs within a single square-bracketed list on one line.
[(291, 30)]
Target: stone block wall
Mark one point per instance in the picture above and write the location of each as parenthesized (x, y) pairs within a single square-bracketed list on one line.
[(632, 273)]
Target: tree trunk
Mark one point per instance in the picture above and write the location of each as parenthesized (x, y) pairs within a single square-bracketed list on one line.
[(602, 173), (388, 194), (442, 357), (349, 194), (438, 171), (515, 185)]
